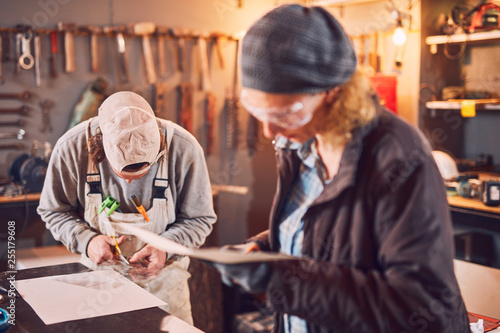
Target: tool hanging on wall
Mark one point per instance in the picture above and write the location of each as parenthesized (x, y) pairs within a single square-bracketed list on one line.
[(53, 54), (185, 106), (68, 29), (19, 135), (210, 102), (231, 106), (362, 45), (93, 32), (159, 98), (26, 60), (18, 123), (23, 96), (162, 59), (2, 81), (217, 38), (252, 135), (6, 47), (205, 83), (38, 59), (122, 56), (89, 102), (145, 29), (46, 105), (17, 51), (374, 58), (179, 35), (12, 146), (22, 110)]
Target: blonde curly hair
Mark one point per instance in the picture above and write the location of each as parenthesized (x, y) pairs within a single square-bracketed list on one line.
[(354, 107)]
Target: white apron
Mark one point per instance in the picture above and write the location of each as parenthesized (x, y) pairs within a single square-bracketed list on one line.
[(171, 284)]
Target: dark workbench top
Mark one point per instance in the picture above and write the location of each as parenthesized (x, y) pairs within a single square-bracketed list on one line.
[(145, 320)]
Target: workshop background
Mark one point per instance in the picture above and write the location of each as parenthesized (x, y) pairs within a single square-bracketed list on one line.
[(240, 215), (407, 77)]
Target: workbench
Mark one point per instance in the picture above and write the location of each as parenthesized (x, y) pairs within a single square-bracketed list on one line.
[(206, 303), (145, 320), (477, 231)]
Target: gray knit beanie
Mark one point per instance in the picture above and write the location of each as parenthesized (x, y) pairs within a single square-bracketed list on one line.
[(296, 49)]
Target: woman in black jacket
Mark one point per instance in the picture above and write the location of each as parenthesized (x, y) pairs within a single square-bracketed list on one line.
[(360, 201)]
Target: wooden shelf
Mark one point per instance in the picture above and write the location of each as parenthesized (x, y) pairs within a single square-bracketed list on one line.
[(460, 38), (445, 105), (334, 3), (475, 37)]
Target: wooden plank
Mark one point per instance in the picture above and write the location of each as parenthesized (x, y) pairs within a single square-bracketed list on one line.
[(20, 198)]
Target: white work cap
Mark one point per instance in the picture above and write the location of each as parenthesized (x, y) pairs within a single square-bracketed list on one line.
[(129, 129)]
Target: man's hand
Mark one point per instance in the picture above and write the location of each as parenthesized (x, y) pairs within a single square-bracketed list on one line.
[(151, 259), (101, 248)]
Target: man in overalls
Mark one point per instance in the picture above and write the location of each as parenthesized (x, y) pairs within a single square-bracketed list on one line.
[(126, 151)]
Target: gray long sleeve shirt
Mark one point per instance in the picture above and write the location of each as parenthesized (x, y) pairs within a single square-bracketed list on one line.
[(62, 202)]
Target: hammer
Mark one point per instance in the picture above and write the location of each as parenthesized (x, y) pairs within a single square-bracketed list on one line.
[(162, 65), (179, 34), (145, 29), (217, 37), (204, 70), (69, 48), (93, 31), (122, 56)]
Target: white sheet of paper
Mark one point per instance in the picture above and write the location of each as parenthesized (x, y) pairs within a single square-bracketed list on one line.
[(209, 254), (61, 298)]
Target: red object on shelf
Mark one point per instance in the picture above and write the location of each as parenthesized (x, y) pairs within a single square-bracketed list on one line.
[(385, 86)]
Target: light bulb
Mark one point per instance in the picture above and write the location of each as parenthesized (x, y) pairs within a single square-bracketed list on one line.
[(399, 37)]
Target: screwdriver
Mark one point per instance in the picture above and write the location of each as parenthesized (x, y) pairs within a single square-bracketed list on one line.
[(139, 207)]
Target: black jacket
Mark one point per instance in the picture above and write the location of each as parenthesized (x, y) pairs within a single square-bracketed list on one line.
[(379, 241)]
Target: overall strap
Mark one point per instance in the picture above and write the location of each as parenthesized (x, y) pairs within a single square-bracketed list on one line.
[(161, 181), (93, 176)]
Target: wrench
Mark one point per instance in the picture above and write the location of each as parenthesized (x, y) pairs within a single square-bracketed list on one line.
[(26, 61), (23, 96), (22, 110), (46, 105), (19, 122), (17, 146), (19, 135)]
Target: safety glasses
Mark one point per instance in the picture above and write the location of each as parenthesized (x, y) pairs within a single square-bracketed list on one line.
[(290, 116)]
